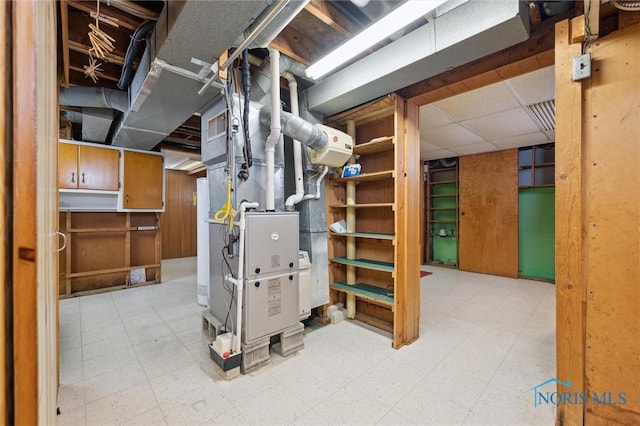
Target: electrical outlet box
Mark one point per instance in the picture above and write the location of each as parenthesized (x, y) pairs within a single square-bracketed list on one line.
[(582, 67)]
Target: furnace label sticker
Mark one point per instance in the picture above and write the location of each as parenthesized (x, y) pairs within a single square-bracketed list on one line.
[(275, 297)]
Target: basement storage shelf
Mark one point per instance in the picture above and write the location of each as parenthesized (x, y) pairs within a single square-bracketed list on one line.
[(110, 200), (374, 265), (441, 192)]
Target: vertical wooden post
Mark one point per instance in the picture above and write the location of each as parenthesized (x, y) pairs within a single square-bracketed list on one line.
[(5, 83), (69, 253), (569, 214), (351, 227), (127, 249)]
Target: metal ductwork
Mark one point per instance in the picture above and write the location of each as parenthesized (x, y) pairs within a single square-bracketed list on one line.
[(460, 31), (296, 128), (164, 91), (261, 78), (94, 97)]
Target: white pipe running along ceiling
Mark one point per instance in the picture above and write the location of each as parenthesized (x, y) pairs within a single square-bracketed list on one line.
[(460, 32)]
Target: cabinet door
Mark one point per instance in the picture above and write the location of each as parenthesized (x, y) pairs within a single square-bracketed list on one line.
[(142, 181), (97, 168), (67, 166)]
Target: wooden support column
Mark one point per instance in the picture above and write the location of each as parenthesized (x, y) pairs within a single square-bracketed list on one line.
[(597, 237), (351, 227), (569, 225)]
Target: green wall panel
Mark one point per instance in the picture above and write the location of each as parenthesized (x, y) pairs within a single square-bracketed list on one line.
[(444, 249), (537, 233)]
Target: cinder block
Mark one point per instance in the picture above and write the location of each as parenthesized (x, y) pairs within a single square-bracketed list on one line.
[(336, 317), (255, 355), (331, 309), (340, 306), (291, 340)]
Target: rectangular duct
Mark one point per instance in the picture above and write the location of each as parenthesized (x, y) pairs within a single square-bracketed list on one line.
[(458, 35), (162, 99)]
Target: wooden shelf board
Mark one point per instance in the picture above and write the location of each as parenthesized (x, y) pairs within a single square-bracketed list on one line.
[(443, 195), (365, 264), (374, 146), (123, 229), (443, 182), (363, 206), (366, 291), (110, 271), (376, 322), (371, 235), (443, 169), (442, 221), (367, 177), (443, 208)]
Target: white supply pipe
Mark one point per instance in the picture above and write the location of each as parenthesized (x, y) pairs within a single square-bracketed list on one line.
[(274, 135), (297, 147), (318, 183), (239, 282)]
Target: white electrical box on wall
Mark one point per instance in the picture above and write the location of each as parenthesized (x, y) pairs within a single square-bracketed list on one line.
[(338, 150)]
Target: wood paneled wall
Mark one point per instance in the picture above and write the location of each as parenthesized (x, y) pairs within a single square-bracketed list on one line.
[(5, 87), (597, 217), (489, 213), (179, 238)]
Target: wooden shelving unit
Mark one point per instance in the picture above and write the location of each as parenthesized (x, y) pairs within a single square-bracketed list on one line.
[(441, 216), (374, 266), (103, 248)]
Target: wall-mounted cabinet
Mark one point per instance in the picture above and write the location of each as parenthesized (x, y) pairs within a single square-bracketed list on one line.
[(442, 212), (88, 167), (97, 178), (374, 265)]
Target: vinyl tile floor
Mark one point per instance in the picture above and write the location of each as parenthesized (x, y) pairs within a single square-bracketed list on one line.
[(138, 356)]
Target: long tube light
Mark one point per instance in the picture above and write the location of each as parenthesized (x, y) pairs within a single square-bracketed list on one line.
[(400, 17)]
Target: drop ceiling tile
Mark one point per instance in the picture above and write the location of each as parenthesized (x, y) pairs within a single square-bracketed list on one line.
[(431, 117), (535, 86), (435, 155), (520, 141), (502, 125), (475, 148), (449, 136), (551, 135), (428, 147), (487, 100)]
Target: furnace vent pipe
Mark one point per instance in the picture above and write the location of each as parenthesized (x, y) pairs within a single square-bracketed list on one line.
[(95, 97), (297, 147), (296, 128), (274, 136)]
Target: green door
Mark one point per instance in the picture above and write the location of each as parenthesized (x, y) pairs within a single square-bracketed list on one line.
[(537, 233)]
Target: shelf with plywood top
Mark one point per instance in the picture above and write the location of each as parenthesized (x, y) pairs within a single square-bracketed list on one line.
[(363, 206), (375, 146), (367, 292), (371, 235), (368, 177), (442, 182), (374, 265)]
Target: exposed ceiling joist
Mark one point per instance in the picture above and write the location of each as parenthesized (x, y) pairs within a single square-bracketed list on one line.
[(134, 9), (296, 45), (79, 47), (124, 20), (328, 14)]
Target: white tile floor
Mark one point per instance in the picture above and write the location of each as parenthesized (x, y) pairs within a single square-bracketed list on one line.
[(137, 356)]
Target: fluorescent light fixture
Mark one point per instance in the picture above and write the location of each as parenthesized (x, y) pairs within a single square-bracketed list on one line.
[(399, 18)]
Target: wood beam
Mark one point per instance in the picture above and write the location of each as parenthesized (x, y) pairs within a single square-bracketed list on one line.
[(297, 45), (121, 18), (133, 8), (327, 13), (110, 57), (64, 27)]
